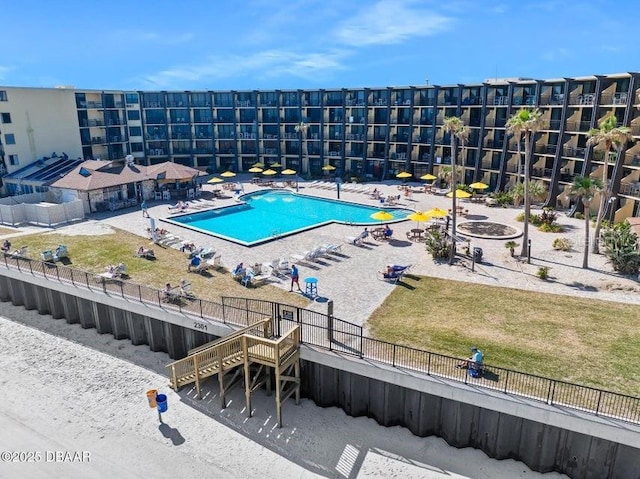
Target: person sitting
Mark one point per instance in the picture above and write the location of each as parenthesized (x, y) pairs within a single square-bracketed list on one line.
[(375, 194), (187, 246), (194, 263), (238, 271), (390, 272), (473, 362), (388, 232), (145, 253), (6, 245), (167, 292)]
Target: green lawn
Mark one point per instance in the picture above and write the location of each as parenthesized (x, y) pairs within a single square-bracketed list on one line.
[(94, 253), (588, 342), (584, 341)]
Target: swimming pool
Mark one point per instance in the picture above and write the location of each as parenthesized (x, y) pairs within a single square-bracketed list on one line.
[(267, 215)]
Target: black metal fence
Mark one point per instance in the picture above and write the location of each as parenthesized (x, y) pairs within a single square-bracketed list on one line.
[(328, 332)]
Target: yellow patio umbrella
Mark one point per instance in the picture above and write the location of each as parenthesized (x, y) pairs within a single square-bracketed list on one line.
[(479, 186), (404, 174), (418, 216), (255, 169), (258, 165), (328, 167), (382, 216), (275, 165), (228, 174), (289, 171), (436, 213), (215, 179), (459, 194), (269, 172), (428, 177)]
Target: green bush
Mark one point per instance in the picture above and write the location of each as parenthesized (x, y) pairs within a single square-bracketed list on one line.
[(543, 273), (437, 245), (579, 216), (562, 244), (621, 248), (551, 228)]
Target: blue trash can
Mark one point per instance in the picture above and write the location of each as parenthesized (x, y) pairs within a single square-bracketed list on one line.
[(161, 401)]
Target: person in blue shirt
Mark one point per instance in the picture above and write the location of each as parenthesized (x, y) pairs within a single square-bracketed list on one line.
[(295, 278), (477, 357)]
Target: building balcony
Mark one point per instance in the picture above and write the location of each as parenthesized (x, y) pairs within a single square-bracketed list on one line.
[(92, 123), (575, 152), (582, 99), (618, 98), (97, 140)]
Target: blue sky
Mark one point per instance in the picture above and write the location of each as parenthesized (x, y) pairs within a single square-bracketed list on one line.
[(285, 44)]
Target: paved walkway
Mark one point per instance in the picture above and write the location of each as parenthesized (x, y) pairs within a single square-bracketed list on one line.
[(351, 280)]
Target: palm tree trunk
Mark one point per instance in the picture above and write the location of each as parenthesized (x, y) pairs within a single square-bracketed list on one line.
[(587, 220), (519, 159), (604, 196), (527, 198), (452, 253)]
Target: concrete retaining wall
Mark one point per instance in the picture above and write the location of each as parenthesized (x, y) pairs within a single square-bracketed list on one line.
[(543, 437)]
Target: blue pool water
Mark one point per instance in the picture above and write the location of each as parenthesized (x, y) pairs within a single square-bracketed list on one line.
[(268, 215)]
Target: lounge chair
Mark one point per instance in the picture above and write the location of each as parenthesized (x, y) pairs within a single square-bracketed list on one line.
[(306, 257), (354, 240), (19, 253), (395, 275), (47, 256), (60, 252), (146, 253), (333, 248)]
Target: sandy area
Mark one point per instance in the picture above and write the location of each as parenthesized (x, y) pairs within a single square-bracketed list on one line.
[(75, 395)]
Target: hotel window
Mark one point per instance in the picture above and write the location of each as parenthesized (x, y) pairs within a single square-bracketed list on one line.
[(10, 139), (133, 115), (3, 95), (137, 148), (135, 131), (6, 117), (131, 98), (13, 160)]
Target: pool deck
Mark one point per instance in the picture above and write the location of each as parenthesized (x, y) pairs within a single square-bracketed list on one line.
[(351, 280)]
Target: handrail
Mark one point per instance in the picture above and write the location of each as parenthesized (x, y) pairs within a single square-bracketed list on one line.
[(232, 335), (331, 333)]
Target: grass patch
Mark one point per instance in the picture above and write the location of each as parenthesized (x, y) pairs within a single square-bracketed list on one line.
[(588, 342), (94, 253)]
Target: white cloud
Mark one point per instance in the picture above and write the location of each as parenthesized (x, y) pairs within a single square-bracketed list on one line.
[(557, 54), (3, 71), (389, 22), (135, 36), (270, 63)]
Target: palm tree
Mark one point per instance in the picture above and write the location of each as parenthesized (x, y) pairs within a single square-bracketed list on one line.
[(459, 133), (584, 188), (525, 123), (302, 128), (610, 134)]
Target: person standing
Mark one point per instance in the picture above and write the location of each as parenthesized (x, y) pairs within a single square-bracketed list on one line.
[(295, 278), (145, 213)]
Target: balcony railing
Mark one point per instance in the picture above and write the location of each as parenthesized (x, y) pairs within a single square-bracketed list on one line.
[(576, 152)]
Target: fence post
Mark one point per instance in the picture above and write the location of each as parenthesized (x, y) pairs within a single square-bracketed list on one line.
[(330, 322), (552, 390), (506, 381), (428, 364), (30, 268), (57, 272), (393, 356), (599, 399), (140, 293), (361, 343), (200, 302)]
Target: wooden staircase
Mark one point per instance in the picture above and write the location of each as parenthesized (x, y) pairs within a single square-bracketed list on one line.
[(252, 348)]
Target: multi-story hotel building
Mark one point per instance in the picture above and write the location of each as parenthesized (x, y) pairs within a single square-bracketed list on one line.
[(366, 132)]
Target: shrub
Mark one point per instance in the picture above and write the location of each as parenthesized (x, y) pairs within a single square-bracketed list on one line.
[(543, 273), (621, 248), (551, 228), (579, 216), (502, 198), (534, 219), (562, 244), (437, 245)]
